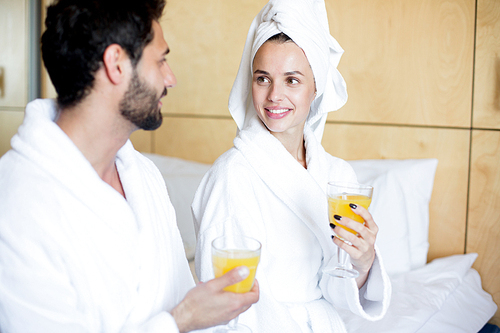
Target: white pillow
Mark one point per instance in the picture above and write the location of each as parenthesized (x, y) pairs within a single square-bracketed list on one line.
[(400, 207), (182, 178)]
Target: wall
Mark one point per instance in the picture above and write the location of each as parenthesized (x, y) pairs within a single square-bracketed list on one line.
[(13, 68)]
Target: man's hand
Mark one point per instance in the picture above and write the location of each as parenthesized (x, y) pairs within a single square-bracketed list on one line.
[(208, 305)]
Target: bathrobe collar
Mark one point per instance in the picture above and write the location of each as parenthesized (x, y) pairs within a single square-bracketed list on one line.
[(283, 174)]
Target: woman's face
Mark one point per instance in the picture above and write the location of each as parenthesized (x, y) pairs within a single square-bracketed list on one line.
[(283, 87)]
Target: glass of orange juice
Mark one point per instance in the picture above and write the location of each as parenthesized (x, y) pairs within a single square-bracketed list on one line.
[(232, 251), (340, 195)]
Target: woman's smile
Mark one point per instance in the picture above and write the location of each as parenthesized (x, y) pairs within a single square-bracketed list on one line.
[(277, 112)]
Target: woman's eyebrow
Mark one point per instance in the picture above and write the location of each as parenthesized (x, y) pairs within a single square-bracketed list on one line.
[(259, 71), (293, 73)]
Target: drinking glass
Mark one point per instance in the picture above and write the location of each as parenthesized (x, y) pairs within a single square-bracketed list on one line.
[(229, 252), (340, 195)]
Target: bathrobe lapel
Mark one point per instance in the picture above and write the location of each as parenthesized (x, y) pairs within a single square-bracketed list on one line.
[(303, 193)]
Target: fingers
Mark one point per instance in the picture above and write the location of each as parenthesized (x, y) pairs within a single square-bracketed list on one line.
[(242, 302), (253, 294), (233, 276), (359, 228), (363, 239), (365, 214), (207, 305)]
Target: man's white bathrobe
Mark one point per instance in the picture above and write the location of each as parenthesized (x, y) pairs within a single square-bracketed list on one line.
[(258, 189), (75, 256)]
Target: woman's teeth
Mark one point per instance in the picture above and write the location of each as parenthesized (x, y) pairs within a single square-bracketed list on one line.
[(278, 111)]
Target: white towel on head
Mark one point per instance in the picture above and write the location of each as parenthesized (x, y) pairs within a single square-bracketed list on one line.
[(306, 23)]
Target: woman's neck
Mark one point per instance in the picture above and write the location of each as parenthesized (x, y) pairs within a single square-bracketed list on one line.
[(294, 144)]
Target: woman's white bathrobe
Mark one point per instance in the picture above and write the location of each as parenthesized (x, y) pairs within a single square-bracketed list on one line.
[(258, 189), (75, 256)]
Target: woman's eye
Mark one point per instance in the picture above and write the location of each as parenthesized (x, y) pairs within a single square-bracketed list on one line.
[(293, 80), (261, 79)]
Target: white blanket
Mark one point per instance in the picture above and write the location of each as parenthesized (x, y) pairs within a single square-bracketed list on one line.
[(443, 296), (75, 256), (258, 189)]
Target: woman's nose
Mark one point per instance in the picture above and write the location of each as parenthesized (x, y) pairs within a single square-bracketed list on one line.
[(275, 93)]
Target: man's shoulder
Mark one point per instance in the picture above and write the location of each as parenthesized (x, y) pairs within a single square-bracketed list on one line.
[(26, 193), (18, 172)]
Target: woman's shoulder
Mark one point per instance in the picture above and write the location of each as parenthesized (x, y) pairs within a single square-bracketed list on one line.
[(340, 168), (334, 160), (231, 162)]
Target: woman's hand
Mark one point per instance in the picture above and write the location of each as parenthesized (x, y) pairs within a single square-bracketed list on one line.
[(362, 250)]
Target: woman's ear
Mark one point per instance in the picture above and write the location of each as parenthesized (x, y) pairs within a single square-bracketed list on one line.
[(115, 61)]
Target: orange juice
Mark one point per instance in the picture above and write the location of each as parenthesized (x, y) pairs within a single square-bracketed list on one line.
[(224, 261), (339, 205)]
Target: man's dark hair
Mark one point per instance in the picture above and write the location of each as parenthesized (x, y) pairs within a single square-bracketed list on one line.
[(79, 31)]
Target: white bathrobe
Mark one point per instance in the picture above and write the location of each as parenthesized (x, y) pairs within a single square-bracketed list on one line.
[(258, 189), (75, 256)]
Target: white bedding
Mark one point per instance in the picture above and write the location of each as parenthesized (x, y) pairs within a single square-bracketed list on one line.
[(442, 296)]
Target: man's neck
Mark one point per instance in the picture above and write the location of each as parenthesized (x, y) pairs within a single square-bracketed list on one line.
[(98, 131)]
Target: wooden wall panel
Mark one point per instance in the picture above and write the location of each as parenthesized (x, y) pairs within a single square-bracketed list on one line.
[(142, 141), (405, 62), (197, 139), (449, 146), (484, 207), (9, 122), (487, 66), (206, 44)]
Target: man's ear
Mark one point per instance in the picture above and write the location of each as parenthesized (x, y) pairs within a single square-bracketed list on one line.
[(116, 63)]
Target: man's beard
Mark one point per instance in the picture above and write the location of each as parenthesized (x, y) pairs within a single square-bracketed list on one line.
[(140, 104)]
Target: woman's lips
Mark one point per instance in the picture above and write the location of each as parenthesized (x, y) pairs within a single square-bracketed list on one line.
[(277, 113)]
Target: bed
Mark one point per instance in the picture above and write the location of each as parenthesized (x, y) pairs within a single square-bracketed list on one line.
[(444, 295)]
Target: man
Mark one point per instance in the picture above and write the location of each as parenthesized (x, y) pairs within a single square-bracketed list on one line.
[(88, 238)]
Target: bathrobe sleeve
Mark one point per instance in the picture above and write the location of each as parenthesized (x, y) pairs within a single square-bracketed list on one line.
[(369, 302)]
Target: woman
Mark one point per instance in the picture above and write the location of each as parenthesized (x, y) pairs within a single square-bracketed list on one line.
[(272, 184)]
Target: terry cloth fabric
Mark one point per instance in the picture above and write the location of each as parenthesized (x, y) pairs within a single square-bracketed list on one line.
[(75, 256), (258, 189), (306, 23)]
